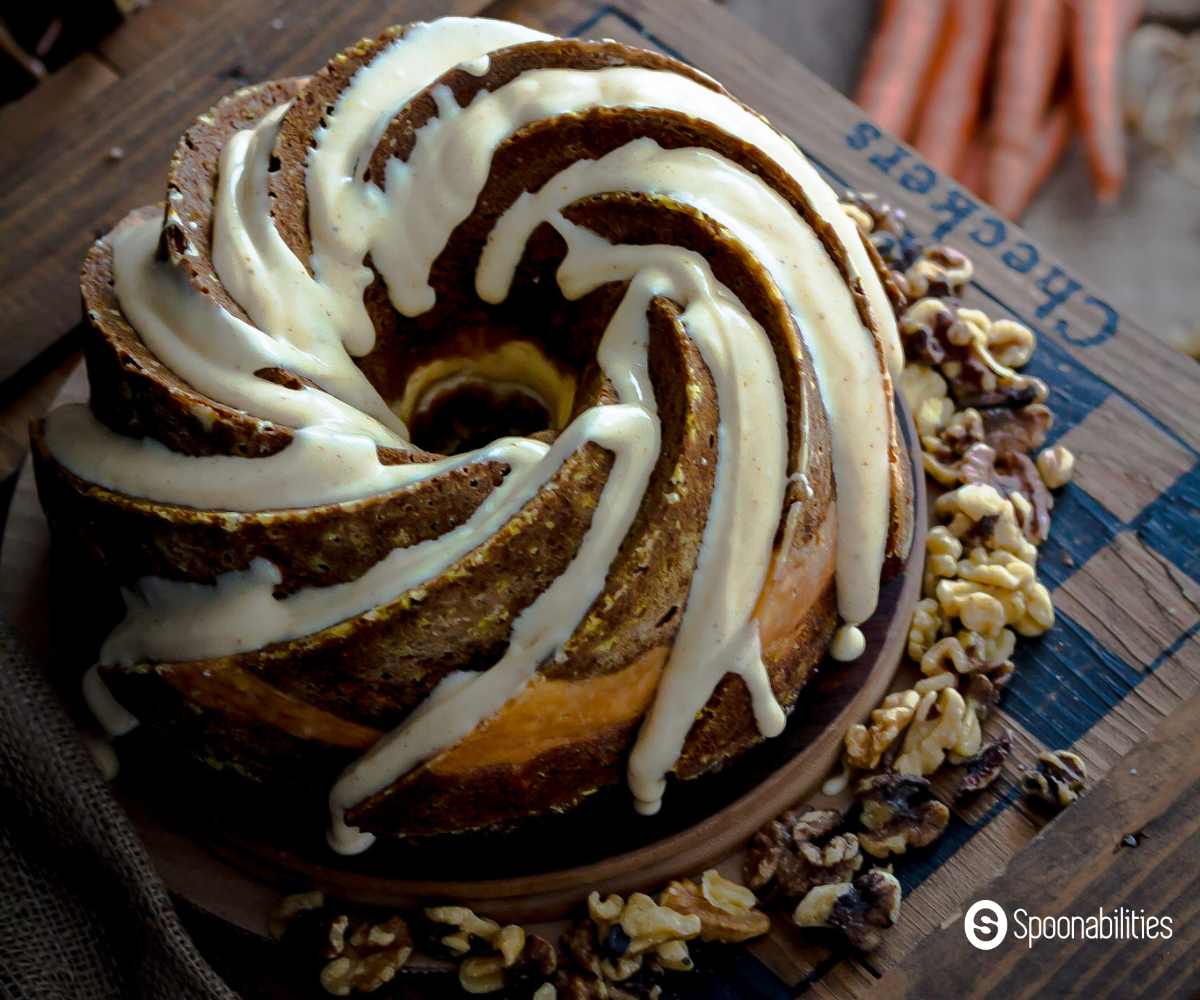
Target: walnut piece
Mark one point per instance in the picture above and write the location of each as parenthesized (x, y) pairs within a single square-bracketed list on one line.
[(1016, 428), (981, 770), (924, 628), (648, 924), (942, 552), (959, 342), (945, 448), (366, 957), (623, 943), (952, 729), (522, 960), (861, 909), (726, 910), (979, 515), (1011, 343), (1058, 778), (939, 270), (969, 653), (898, 812), (866, 745), (619, 934), (799, 850), (1012, 472), (470, 931), (1056, 466), (994, 585)]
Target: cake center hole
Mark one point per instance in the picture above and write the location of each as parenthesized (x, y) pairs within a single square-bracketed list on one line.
[(457, 404), (468, 413)]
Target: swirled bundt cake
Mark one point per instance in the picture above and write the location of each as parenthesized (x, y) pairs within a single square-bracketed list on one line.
[(483, 419)]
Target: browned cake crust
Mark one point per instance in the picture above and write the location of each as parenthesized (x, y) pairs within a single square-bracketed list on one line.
[(295, 713)]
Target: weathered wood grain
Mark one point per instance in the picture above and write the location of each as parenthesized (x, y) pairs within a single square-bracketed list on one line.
[(67, 191), (35, 117), (151, 29)]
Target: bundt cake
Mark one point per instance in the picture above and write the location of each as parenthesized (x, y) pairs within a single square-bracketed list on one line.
[(481, 420)]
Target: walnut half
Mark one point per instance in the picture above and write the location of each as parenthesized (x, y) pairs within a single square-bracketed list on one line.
[(1058, 778), (366, 955), (898, 812), (726, 910), (980, 771), (799, 850), (861, 909)]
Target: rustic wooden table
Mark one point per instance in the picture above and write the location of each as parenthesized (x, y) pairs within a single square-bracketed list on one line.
[(1116, 679)]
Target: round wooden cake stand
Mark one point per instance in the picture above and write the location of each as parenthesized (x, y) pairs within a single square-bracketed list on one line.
[(538, 872)]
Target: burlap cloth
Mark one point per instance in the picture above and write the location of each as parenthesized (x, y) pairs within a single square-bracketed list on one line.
[(83, 913)]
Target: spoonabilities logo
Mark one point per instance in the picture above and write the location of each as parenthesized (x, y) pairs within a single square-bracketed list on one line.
[(985, 924)]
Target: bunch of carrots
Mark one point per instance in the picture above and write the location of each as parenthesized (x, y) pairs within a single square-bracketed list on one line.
[(990, 91)]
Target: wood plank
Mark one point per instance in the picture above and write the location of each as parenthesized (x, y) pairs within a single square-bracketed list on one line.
[(65, 194), (558, 17), (147, 32), (1075, 866), (35, 117)]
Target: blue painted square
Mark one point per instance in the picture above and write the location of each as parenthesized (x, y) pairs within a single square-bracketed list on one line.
[(1080, 527), (1171, 524), (1066, 682), (1074, 390)]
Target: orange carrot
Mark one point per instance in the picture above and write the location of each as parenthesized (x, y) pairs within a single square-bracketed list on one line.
[(951, 106), (1045, 152), (1098, 29), (900, 54), (1027, 63)]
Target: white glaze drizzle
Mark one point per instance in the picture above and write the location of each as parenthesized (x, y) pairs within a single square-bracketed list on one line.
[(312, 324), (112, 716)]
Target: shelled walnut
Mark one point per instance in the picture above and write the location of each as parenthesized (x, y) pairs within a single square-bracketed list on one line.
[(980, 771), (620, 949), (866, 745), (898, 812), (522, 960), (956, 342), (1056, 466), (801, 849), (938, 270), (727, 911), (861, 909), (364, 955), (491, 957), (1014, 476), (924, 629), (977, 514), (1057, 779), (943, 725), (969, 652), (462, 930)]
